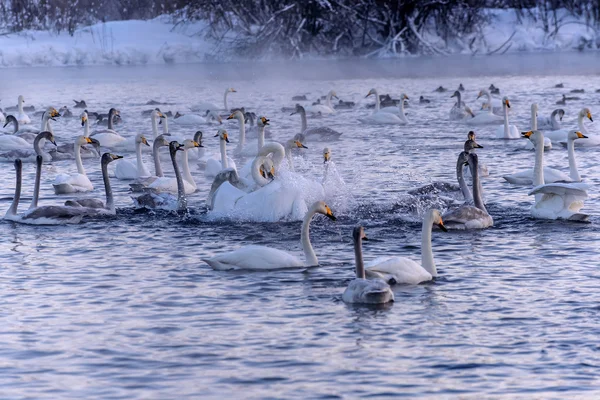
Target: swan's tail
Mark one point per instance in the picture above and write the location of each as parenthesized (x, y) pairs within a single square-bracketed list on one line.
[(579, 217), (63, 188)]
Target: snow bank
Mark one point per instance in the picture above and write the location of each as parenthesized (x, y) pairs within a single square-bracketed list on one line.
[(118, 42)]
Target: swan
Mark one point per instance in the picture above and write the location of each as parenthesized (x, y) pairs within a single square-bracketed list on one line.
[(507, 131), (262, 258), (154, 117), (486, 117), (404, 270), (202, 154), (468, 216), (378, 98), (188, 179), (592, 140), (459, 110), (28, 133), (141, 183), (360, 290), (78, 182), (318, 133), (161, 184), (21, 116), (10, 142), (534, 127), (126, 169), (239, 116), (40, 215), (193, 119), (28, 155), (555, 200), (67, 151), (213, 166), (206, 106), (551, 175), (109, 138), (163, 200), (331, 177), (96, 206), (326, 108), (382, 117), (550, 123), (492, 105)]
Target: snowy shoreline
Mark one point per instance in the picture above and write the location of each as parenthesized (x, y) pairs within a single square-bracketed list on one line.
[(160, 41)]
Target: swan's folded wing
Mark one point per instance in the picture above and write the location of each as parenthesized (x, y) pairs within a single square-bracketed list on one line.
[(254, 258), (403, 270), (562, 189)]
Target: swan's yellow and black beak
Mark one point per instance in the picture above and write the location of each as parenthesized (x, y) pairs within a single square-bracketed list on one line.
[(441, 226), (480, 94), (507, 103), (145, 141), (326, 157), (477, 145), (405, 97), (329, 214), (232, 116), (88, 140), (581, 135), (233, 90), (589, 115), (300, 145), (115, 157), (197, 144), (226, 137), (265, 120), (272, 172), (527, 135), (83, 119)]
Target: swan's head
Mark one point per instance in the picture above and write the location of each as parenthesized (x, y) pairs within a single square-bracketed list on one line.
[(324, 209), (52, 113), (263, 121), (436, 217), (214, 115), (231, 90), (161, 140), (139, 138), (455, 94), (473, 160), (561, 113), (21, 99), (48, 136), (358, 234), (536, 137), (463, 158), (82, 140), (403, 97), (84, 118), (267, 169), (10, 119), (482, 93), (573, 135), (222, 134), (174, 147), (326, 155), (237, 115), (156, 113), (109, 157), (295, 143), (190, 144), (371, 92), (472, 144), (198, 137), (506, 102), (298, 110), (333, 94), (586, 113), (534, 109)]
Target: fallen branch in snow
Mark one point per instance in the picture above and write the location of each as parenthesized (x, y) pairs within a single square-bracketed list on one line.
[(411, 25), (503, 44)]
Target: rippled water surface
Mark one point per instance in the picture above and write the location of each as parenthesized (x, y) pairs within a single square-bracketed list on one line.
[(124, 307)]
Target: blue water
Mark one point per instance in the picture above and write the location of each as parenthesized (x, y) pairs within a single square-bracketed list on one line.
[(124, 307)]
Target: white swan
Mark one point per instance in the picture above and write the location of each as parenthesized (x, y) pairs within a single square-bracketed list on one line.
[(555, 200), (550, 123), (551, 175), (507, 131), (263, 258), (163, 184), (491, 104), (404, 270), (207, 106), (28, 133), (40, 215), (142, 183), (459, 109), (165, 200), (96, 206), (593, 140), (21, 116), (155, 116), (560, 135), (241, 146), (214, 166), (383, 117), (188, 179), (109, 138), (317, 133), (75, 183), (534, 127), (326, 108), (126, 169), (27, 154), (486, 116), (361, 290), (194, 119), (467, 216)]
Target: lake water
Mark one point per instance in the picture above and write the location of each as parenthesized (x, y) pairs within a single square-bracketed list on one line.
[(124, 307)]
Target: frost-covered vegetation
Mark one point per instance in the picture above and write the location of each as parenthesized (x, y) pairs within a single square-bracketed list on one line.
[(315, 28)]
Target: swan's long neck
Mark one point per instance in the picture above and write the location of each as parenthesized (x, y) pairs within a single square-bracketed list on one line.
[(477, 198), (303, 118), (278, 152), (86, 128), (534, 125), (489, 101), (15, 125), (426, 252), (377, 102), (45, 118), (242, 142), (223, 155), (402, 114), (309, 253), (15, 203), (288, 155), (187, 175), (261, 137), (110, 201), (157, 167), (181, 199), (328, 100), (165, 124), (36, 145), (110, 119), (461, 179), (581, 125), (538, 168), (154, 126), (225, 99), (256, 175), (573, 172), (36, 187), (20, 105), (358, 258), (138, 158), (78, 162), (505, 109), (555, 124)]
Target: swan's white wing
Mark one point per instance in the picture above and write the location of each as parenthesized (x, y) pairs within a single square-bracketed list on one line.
[(403, 270), (226, 197), (258, 258), (319, 108), (362, 291), (486, 118), (126, 170), (9, 142), (79, 181), (109, 139), (562, 189), (383, 118)]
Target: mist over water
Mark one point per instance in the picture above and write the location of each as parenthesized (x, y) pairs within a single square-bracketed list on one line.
[(124, 307)]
